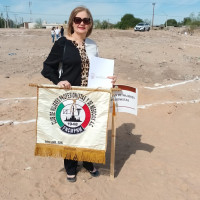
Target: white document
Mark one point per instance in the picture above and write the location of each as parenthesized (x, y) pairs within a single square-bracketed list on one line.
[(100, 69)]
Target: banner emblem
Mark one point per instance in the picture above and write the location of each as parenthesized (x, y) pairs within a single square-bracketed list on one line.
[(73, 115)]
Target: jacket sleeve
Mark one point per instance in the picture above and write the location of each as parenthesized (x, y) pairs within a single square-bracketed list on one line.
[(91, 48), (51, 64)]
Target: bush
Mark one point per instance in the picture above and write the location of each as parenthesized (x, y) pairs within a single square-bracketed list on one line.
[(187, 21), (2, 22), (171, 22), (192, 21), (127, 21), (102, 25)]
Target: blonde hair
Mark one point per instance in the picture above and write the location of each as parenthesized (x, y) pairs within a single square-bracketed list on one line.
[(70, 29)]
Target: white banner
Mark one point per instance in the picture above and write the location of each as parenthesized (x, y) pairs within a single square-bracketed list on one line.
[(72, 118), (126, 100)]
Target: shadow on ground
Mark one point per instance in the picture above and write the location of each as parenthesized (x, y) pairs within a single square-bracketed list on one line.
[(126, 144)]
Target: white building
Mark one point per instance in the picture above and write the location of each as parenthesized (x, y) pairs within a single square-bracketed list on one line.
[(31, 25)]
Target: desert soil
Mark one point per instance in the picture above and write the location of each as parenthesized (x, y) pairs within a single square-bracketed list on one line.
[(157, 151)]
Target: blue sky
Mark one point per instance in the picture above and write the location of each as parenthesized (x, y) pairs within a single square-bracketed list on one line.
[(112, 10)]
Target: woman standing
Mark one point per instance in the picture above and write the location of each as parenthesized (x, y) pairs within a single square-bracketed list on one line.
[(75, 66), (61, 31), (53, 34)]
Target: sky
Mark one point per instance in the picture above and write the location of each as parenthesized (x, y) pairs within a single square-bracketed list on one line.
[(58, 11)]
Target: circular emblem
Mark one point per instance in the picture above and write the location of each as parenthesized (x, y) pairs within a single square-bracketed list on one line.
[(73, 116)]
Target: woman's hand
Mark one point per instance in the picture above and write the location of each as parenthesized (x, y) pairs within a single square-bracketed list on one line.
[(64, 84), (114, 78)]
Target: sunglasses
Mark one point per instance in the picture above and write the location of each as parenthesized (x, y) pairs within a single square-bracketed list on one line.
[(78, 20)]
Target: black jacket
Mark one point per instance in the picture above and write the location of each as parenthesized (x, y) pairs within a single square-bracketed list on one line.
[(71, 63)]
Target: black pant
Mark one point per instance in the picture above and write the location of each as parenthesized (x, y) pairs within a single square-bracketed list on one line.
[(71, 165)]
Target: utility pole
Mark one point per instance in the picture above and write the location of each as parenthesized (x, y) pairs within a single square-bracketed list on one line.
[(21, 21), (153, 4), (7, 16), (30, 3), (15, 19), (4, 23)]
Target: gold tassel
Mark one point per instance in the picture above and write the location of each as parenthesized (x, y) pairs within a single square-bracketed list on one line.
[(79, 154)]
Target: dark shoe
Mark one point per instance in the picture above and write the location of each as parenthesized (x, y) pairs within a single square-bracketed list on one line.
[(73, 179), (95, 174)]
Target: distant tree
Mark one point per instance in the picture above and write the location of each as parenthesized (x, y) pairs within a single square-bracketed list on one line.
[(2, 21), (97, 24), (102, 25), (195, 24), (187, 21), (117, 25), (38, 23), (11, 23), (179, 24), (171, 22), (106, 25), (127, 21), (192, 16), (198, 16), (193, 21)]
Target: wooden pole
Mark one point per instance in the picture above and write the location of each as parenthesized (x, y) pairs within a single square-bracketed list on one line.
[(113, 141), (75, 88)]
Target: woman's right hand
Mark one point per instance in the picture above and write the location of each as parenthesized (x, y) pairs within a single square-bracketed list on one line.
[(64, 84)]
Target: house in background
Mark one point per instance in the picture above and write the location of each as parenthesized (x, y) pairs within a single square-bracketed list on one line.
[(31, 25)]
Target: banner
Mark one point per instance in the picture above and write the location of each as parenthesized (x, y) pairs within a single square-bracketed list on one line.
[(72, 123), (125, 100)]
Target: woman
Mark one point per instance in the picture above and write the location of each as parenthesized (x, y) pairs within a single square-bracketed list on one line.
[(61, 31), (75, 66), (53, 34)]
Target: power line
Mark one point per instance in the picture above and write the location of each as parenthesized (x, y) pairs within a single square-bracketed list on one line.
[(53, 14), (62, 15)]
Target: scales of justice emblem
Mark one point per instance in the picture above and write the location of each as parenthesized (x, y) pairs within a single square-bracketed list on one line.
[(73, 116)]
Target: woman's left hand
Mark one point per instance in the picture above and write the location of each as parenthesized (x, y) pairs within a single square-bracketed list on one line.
[(114, 78)]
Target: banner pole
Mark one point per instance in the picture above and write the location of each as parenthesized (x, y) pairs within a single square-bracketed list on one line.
[(113, 141)]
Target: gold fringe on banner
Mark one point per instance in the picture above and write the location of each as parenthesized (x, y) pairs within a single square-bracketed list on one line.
[(79, 154)]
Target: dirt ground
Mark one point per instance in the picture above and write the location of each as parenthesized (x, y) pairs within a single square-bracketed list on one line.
[(157, 151)]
